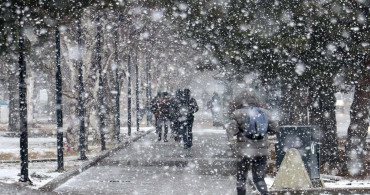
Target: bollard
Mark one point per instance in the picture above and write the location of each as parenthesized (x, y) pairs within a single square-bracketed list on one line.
[(306, 139)]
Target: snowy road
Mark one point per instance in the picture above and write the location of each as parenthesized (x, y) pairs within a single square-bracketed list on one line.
[(149, 167)]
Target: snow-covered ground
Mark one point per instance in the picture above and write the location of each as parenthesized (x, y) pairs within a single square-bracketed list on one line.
[(332, 183), (343, 183), (10, 145), (41, 173)]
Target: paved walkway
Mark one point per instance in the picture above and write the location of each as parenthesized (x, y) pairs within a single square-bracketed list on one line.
[(150, 167)]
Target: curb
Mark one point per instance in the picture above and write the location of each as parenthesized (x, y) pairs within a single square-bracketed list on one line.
[(53, 184)]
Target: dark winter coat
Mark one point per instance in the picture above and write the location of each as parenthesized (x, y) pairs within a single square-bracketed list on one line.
[(244, 146), (153, 105), (174, 106), (160, 106), (186, 109)]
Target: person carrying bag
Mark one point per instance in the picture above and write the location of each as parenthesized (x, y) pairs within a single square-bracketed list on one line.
[(247, 132)]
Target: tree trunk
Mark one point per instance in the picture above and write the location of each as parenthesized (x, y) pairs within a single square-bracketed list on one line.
[(81, 94), (23, 105), (148, 92), (59, 105), (137, 93), (117, 121), (285, 105), (129, 95), (322, 114), (358, 128), (329, 147), (101, 106), (294, 103)]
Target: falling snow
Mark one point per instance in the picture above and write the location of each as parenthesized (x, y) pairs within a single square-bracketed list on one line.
[(154, 97)]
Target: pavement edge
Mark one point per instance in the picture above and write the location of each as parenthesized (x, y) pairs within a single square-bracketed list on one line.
[(56, 182)]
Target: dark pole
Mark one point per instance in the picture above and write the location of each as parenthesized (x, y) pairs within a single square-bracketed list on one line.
[(137, 93), (59, 111), (117, 124), (101, 108), (148, 92), (150, 88), (129, 95), (23, 104), (81, 92)]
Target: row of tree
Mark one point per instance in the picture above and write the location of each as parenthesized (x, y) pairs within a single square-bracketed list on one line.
[(89, 72)]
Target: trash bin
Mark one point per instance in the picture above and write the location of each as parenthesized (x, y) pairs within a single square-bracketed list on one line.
[(306, 139)]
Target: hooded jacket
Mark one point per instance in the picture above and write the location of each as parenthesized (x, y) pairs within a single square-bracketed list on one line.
[(244, 146)]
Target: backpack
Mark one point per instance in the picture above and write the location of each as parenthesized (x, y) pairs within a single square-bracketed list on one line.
[(256, 123), (163, 107)]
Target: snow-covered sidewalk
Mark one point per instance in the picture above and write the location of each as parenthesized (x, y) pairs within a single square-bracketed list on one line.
[(151, 167), (42, 156), (207, 162)]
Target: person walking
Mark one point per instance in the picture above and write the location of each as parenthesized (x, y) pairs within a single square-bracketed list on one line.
[(174, 114), (247, 133), (160, 106), (215, 106), (186, 109)]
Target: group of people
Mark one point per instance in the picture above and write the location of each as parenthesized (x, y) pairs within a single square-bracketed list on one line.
[(175, 112), (249, 124)]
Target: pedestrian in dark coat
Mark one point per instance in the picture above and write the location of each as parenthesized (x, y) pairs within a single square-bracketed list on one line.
[(153, 103), (187, 107), (174, 114), (160, 108), (249, 152)]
